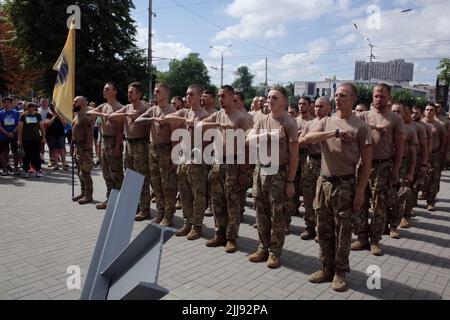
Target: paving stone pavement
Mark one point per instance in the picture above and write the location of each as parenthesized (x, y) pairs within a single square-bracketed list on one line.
[(42, 233)]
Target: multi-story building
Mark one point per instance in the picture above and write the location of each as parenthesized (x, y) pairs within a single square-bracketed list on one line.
[(396, 71)]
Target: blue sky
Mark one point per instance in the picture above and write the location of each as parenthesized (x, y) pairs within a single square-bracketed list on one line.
[(302, 39)]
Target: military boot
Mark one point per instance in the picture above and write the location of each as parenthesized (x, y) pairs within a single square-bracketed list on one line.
[(142, 215), (102, 206), (195, 234), (309, 234), (166, 222), (158, 219), (375, 249), (361, 244), (259, 256), (394, 234), (325, 274), (231, 246), (339, 284), (431, 208), (404, 224), (183, 232), (218, 241), (273, 262), (78, 198), (85, 200)]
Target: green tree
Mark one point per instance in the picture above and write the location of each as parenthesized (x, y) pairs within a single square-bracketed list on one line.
[(444, 67), (183, 73), (244, 81), (404, 97), (365, 95), (106, 49)]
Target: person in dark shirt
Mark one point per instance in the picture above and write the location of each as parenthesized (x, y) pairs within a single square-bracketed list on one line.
[(31, 136), (56, 139)]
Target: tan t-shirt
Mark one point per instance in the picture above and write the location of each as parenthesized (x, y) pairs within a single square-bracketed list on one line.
[(427, 128), (301, 124), (411, 139), (238, 120), (197, 115), (160, 134), (437, 129), (445, 122), (109, 127), (421, 134), (210, 111), (383, 143), (135, 130), (313, 148), (285, 122), (82, 129), (341, 158)]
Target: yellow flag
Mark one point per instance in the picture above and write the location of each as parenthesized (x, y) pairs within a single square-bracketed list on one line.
[(64, 91)]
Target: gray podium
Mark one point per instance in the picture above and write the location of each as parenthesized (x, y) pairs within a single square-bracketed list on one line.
[(121, 270)]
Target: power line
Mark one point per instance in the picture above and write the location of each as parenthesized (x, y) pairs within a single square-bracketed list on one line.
[(222, 28)]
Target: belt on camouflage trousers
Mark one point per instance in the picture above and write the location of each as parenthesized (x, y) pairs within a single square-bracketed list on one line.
[(338, 179)]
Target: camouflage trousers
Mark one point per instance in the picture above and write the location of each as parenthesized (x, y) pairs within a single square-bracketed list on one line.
[(393, 210), (163, 179), (192, 182), (136, 159), (248, 177), (334, 207), (293, 205), (310, 175), (299, 178), (271, 210), (377, 192), (112, 168), (433, 184), (85, 163), (405, 194), (226, 199), (420, 180)]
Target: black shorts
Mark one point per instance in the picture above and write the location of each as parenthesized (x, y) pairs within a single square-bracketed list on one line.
[(56, 142), (9, 145)]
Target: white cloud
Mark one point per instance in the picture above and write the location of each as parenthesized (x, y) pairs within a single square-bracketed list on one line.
[(266, 18), (423, 34), (167, 50), (350, 39)]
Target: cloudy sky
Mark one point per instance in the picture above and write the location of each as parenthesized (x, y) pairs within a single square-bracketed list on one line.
[(302, 39)]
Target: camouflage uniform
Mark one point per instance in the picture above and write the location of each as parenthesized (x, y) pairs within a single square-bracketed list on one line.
[(136, 159), (432, 185), (311, 173), (406, 193), (393, 205), (112, 168), (334, 207), (85, 163), (271, 211), (163, 179), (248, 177), (192, 182), (226, 199), (377, 191)]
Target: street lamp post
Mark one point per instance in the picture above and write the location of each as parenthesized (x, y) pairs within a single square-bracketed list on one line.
[(221, 53)]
